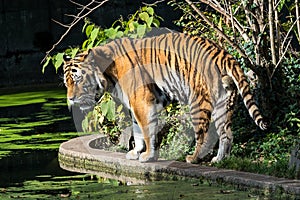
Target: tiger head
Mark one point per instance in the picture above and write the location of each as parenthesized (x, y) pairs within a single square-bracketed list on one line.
[(85, 83)]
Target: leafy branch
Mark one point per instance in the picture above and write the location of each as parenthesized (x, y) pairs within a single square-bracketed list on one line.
[(219, 31), (136, 26), (85, 11)]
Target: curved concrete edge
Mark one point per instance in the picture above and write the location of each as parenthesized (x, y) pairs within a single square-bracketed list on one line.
[(76, 155)]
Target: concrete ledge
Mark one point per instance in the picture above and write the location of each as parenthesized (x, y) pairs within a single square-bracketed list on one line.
[(78, 156)]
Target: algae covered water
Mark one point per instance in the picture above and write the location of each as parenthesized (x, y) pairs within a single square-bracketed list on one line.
[(34, 122)]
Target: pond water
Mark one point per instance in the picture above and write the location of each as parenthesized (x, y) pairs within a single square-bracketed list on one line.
[(34, 122)]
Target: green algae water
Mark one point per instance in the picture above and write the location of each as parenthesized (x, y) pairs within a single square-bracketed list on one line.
[(34, 122)]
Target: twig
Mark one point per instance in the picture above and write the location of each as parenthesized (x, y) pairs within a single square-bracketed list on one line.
[(220, 32), (286, 46), (217, 7), (282, 56), (153, 4), (61, 24), (76, 19), (77, 4), (70, 15)]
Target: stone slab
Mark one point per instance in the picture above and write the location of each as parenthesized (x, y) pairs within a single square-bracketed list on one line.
[(78, 156)]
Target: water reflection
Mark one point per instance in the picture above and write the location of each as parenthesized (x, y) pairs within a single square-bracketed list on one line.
[(33, 123)]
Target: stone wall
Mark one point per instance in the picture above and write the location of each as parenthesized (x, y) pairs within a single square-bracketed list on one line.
[(27, 31)]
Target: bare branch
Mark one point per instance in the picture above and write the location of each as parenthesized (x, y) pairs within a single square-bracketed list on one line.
[(61, 24), (77, 18), (291, 28), (285, 45), (241, 52), (77, 4), (234, 21), (282, 56), (70, 15), (153, 4)]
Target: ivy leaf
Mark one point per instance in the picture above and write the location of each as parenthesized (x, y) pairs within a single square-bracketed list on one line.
[(111, 33), (156, 23), (131, 26), (84, 44), (94, 34), (141, 30), (149, 21), (74, 52), (108, 109), (119, 34), (59, 59), (144, 16), (150, 10), (90, 45), (89, 29)]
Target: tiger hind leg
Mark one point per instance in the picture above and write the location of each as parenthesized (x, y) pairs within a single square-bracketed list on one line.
[(226, 137), (200, 119)]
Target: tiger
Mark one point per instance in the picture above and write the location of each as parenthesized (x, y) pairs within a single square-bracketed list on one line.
[(147, 74)]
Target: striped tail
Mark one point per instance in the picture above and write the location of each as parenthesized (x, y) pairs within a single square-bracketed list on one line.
[(240, 80)]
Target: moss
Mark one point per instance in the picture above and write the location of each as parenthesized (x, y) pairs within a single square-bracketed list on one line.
[(28, 118)]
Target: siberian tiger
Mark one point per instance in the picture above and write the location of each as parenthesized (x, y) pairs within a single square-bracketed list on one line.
[(146, 74)]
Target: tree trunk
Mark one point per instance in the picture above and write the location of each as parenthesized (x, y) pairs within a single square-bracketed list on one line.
[(297, 17), (271, 30)]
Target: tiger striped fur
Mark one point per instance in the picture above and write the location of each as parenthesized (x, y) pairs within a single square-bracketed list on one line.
[(146, 74)]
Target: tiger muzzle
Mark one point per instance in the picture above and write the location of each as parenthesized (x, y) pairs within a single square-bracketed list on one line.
[(85, 103)]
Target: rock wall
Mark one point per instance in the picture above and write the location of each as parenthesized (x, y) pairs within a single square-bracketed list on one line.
[(27, 31)]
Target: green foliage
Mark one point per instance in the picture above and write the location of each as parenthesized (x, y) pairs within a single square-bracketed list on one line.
[(188, 22), (177, 133), (136, 26), (273, 146), (108, 118)]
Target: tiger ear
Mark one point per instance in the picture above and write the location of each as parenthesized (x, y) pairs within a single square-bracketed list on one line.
[(66, 58), (101, 56)]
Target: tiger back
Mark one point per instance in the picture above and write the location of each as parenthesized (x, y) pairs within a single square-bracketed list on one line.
[(147, 73)]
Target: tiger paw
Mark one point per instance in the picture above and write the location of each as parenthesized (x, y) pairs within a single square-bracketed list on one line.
[(215, 159), (132, 155), (148, 157), (192, 159)]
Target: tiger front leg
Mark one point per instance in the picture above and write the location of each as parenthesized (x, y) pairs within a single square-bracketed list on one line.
[(144, 107), (152, 152), (139, 144)]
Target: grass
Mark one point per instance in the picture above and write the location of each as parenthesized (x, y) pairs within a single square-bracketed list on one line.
[(279, 169)]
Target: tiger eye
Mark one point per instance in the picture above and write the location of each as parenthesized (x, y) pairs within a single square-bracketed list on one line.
[(83, 71)]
